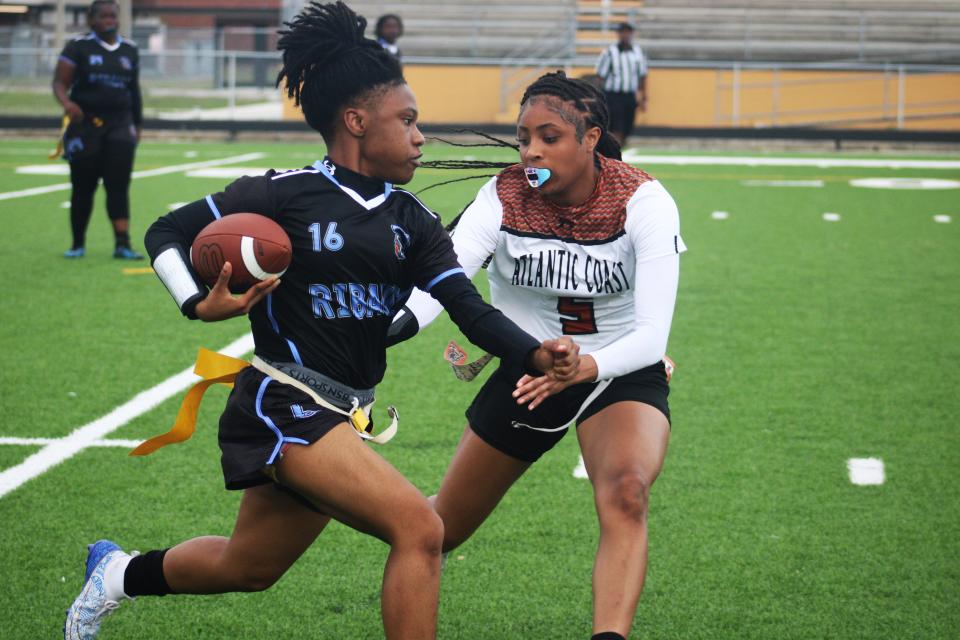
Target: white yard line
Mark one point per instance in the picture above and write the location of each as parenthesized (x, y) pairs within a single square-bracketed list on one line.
[(866, 471), (96, 443), (148, 173), (62, 449), (753, 161)]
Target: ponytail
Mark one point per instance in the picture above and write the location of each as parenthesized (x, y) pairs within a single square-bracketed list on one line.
[(329, 64)]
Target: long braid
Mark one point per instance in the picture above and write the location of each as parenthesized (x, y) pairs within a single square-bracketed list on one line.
[(586, 98), (467, 164)]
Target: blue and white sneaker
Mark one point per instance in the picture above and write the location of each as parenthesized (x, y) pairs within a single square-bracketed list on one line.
[(76, 252), (126, 253), (94, 602)]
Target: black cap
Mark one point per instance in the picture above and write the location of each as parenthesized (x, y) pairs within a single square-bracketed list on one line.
[(624, 26)]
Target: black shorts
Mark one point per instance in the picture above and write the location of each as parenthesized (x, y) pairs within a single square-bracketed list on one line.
[(496, 417), (86, 139), (623, 109), (261, 416)]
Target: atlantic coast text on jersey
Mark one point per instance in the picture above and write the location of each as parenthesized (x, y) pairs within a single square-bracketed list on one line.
[(562, 269)]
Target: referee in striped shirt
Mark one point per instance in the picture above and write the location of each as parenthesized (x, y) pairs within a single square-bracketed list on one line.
[(623, 68)]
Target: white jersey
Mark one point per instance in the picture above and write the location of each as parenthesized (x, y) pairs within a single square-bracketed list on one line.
[(604, 272)]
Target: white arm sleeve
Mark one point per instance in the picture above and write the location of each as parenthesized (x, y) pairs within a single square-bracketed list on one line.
[(474, 240), (654, 228), (176, 276)]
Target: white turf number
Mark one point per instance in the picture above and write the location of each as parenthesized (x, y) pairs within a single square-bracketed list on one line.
[(331, 239)]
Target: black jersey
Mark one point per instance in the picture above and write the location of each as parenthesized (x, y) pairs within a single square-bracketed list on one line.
[(359, 248), (106, 77)]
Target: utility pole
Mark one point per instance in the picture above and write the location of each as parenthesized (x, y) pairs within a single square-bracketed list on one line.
[(60, 22), (126, 17)]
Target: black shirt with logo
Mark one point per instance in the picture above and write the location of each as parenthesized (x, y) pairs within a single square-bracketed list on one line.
[(359, 247), (106, 77)]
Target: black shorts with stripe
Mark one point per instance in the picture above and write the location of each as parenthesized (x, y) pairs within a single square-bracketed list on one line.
[(496, 417), (261, 416)]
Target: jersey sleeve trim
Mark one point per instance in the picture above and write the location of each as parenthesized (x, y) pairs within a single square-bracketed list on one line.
[(213, 207), (64, 58), (443, 276)]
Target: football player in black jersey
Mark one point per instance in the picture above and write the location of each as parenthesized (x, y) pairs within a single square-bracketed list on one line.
[(97, 82), (360, 246)]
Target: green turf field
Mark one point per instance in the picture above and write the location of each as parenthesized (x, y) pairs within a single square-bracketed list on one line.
[(800, 343)]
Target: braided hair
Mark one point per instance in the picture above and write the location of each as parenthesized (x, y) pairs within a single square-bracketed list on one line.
[(328, 64), (587, 99)]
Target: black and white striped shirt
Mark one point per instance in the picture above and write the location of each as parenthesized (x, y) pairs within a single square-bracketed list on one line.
[(622, 70)]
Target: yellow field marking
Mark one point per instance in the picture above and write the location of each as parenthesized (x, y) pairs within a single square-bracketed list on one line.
[(136, 271)]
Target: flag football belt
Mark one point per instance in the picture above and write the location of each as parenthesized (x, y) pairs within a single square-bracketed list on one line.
[(216, 368), (358, 414)]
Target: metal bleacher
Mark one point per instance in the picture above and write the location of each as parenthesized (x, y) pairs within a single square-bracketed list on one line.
[(491, 29), (890, 31)]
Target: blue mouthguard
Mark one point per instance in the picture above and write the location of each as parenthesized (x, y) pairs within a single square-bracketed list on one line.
[(537, 177)]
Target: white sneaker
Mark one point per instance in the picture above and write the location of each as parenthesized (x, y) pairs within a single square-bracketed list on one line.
[(94, 603)]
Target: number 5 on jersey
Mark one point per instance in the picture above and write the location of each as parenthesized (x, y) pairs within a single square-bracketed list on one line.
[(576, 316), (330, 240)]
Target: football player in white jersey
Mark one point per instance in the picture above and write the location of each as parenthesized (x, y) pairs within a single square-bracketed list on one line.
[(587, 246)]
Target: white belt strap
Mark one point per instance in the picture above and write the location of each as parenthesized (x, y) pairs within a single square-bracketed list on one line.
[(358, 423), (603, 384)]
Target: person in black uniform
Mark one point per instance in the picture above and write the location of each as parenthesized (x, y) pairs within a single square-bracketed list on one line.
[(360, 246), (97, 82), (388, 30)]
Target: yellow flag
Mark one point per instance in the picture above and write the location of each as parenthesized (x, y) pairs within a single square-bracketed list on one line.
[(214, 368), (56, 153)]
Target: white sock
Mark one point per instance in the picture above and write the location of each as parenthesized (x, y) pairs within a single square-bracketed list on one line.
[(113, 577)]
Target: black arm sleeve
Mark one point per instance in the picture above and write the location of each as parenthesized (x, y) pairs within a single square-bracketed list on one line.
[(484, 325), (403, 328), (178, 227), (136, 99)]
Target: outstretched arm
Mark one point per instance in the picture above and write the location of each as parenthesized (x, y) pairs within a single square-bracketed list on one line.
[(474, 240), (489, 329)]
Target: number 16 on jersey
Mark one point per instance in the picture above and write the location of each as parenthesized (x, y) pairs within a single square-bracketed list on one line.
[(328, 239)]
